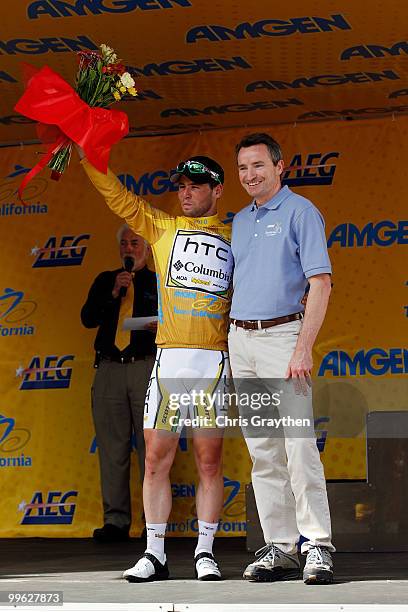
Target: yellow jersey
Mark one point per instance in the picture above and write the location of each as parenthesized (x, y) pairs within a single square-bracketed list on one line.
[(193, 262)]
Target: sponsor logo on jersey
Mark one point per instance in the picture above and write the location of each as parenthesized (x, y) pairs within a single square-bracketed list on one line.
[(200, 261)]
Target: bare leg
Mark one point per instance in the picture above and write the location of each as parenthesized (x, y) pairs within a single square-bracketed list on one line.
[(210, 491), (161, 448)]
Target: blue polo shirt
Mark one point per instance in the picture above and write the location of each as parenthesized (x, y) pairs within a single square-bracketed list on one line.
[(276, 248)]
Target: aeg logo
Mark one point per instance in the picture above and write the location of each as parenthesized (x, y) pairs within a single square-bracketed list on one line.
[(64, 251), (54, 374), (56, 510), (318, 169)]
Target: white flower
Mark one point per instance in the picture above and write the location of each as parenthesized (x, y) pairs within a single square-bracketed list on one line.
[(108, 54), (126, 80)]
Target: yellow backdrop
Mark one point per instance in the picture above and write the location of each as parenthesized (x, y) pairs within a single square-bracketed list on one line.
[(53, 249), (212, 64)]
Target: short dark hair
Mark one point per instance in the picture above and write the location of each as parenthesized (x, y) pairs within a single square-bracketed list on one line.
[(261, 138)]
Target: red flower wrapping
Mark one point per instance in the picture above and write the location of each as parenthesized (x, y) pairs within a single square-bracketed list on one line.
[(50, 100)]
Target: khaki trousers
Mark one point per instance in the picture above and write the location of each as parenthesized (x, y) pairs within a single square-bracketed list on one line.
[(287, 473), (118, 398)]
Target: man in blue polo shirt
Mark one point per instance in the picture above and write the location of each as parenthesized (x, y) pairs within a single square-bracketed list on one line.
[(279, 248)]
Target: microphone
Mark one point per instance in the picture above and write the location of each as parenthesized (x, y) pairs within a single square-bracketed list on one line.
[(128, 263)]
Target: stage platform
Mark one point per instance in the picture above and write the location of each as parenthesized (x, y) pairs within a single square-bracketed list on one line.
[(88, 572)]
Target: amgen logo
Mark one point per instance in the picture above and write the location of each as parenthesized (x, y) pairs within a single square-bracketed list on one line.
[(154, 183)]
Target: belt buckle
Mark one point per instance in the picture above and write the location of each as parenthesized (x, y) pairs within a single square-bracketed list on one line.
[(249, 325)]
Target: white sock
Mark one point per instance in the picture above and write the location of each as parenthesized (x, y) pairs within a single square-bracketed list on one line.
[(206, 533), (155, 540)]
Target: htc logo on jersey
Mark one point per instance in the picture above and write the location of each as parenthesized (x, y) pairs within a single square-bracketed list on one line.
[(200, 261), (206, 246)]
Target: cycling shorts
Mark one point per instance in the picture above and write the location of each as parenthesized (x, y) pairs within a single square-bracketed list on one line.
[(187, 387)]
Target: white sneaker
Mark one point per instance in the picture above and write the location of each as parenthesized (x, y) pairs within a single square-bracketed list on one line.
[(206, 567), (319, 566), (147, 569), (272, 564)]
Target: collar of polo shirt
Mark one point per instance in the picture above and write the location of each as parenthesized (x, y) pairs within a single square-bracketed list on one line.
[(274, 202)]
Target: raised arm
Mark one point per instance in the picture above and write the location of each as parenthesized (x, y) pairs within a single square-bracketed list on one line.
[(141, 217)]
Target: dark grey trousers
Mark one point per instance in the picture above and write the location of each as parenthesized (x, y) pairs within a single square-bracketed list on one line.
[(118, 397)]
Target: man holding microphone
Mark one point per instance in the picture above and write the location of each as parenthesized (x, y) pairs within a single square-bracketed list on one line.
[(123, 362)]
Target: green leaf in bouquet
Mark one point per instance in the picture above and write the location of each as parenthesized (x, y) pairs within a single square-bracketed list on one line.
[(93, 75)]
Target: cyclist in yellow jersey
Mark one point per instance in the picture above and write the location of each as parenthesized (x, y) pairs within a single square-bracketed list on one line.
[(192, 257), (193, 261)]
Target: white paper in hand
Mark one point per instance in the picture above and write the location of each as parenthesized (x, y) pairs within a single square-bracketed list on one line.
[(138, 323)]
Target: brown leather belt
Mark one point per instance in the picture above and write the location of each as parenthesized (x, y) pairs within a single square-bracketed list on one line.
[(122, 358), (268, 323)]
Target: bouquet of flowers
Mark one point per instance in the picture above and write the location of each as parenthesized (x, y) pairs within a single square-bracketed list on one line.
[(66, 116), (101, 80)]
